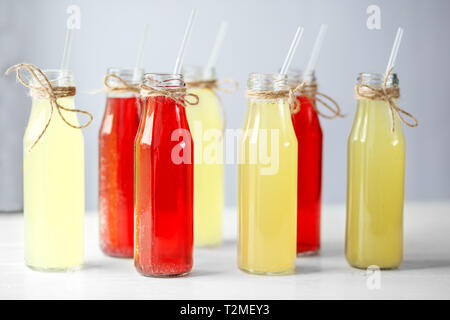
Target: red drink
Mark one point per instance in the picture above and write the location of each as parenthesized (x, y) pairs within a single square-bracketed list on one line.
[(164, 187), (116, 166), (309, 135)]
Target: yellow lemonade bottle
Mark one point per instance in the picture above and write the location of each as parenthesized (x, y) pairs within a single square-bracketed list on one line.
[(206, 123), (375, 187), (53, 181), (267, 179)]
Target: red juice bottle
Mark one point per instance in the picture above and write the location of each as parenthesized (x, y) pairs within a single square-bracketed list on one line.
[(164, 176), (116, 162), (309, 136)]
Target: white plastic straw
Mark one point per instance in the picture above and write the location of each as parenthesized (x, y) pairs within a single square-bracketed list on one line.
[(67, 48), (187, 35), (290, 55), (316, 49), (217, 45), (393, 56), (141, 50)]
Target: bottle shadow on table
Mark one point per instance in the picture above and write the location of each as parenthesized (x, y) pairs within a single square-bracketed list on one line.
[(117, 265), (306, 270), (108, 264), (331, 250), (229, 243), (420, 264), (203, 273)]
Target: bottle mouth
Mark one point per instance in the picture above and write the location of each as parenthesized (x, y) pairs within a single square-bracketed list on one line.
[(164, 80), (56, 77), (376, 80), (297, 76), (198, 73), (132, 76), (267, 81)]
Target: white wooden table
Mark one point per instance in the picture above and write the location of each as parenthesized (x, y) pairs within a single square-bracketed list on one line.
[(425, 272)]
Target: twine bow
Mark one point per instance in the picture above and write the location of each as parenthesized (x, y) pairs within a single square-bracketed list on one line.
[(275, 94), (122, 87), (365, 91), (307, 90), (310, 91), (45, 90), (179, 95)]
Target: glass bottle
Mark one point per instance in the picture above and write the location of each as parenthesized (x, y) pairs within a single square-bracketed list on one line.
[(116, 163), (54, 184), (267, 181), (375, 186), (164, 185), (206, 122), (309, 136)]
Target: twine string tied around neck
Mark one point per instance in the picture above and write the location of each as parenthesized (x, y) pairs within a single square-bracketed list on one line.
[(123, 86), (274, 95), (310, 91), (45, 90), (176, 93), (365, 91)]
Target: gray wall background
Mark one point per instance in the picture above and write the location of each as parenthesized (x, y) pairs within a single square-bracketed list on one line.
[(258, 38)]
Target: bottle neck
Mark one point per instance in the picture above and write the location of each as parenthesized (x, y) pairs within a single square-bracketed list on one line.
[(267, 82), (123, 83), (378, 80), (199, 74), (164, 81)]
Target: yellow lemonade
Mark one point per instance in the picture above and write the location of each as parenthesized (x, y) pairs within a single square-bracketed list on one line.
[(53, 189), (267, 189), (206, 124), (375, 189)]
